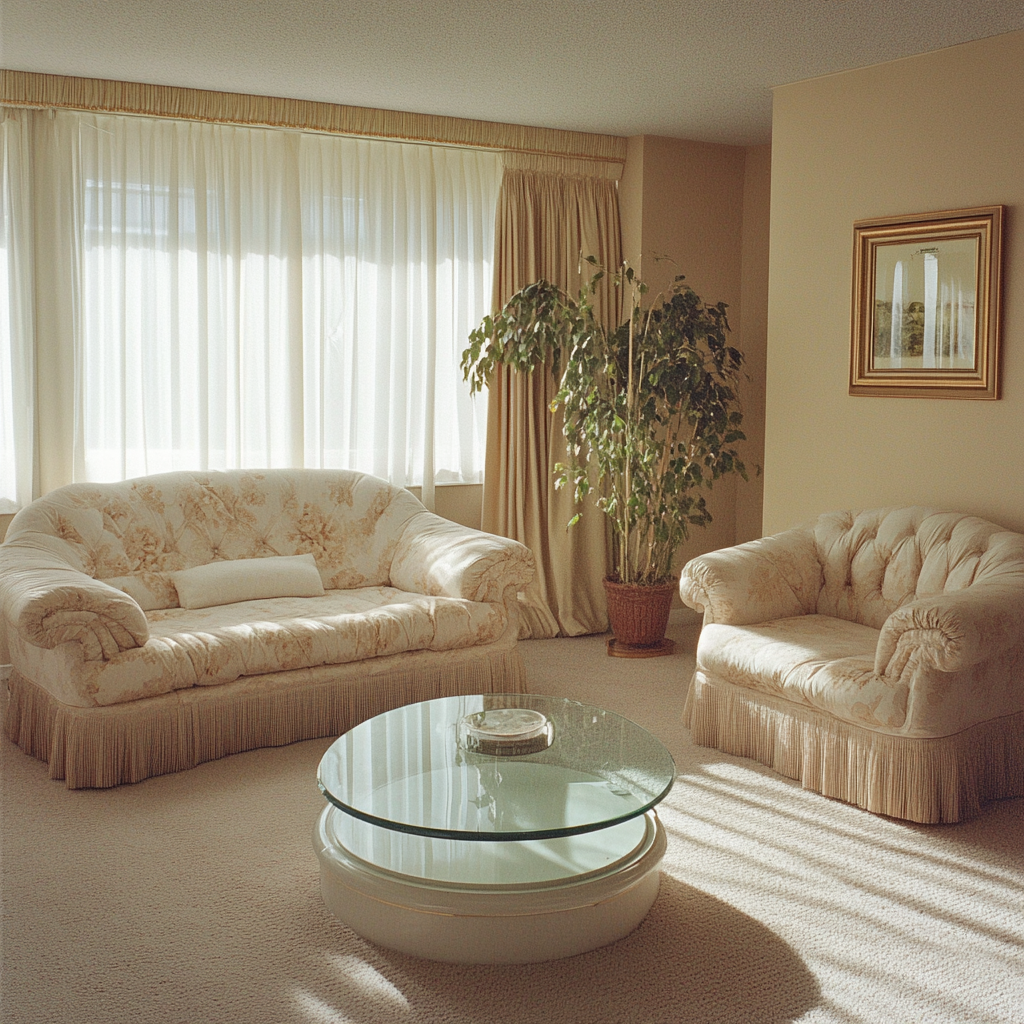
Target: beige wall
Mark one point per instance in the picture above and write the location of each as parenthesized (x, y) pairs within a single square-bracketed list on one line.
[(757, 180), (943, 130), (631, 201), (706, 207), (461, 503)]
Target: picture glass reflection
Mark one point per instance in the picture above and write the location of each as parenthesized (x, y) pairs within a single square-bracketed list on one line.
[(925, 311)]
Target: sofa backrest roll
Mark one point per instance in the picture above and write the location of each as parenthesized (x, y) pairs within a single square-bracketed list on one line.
[(135, 534), (874, 562)]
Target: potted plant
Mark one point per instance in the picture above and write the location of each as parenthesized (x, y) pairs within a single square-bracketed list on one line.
[(650, 417)]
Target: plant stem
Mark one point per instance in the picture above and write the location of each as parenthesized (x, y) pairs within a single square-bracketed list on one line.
[(624, 571)]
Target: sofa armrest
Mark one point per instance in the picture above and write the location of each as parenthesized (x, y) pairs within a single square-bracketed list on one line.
[(47, 603), (443, 559), (772, 578), (953, 631)]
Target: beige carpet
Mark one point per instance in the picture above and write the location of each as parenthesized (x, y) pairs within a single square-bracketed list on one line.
[(193, 898)]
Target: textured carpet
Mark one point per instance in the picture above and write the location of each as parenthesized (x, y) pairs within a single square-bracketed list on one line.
[(194, 898)]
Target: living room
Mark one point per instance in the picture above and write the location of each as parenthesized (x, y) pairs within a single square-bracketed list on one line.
[(768, 228)]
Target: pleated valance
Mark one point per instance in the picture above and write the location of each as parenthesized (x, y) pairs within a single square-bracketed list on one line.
[(28, 89)]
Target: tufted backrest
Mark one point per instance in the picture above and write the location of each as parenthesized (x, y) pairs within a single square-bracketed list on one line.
[(875, 561), (134, 534)]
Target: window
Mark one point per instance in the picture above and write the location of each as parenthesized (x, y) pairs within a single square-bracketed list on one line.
[(253, 298)]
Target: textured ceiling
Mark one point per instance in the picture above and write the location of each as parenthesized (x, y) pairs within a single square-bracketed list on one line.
[(697, 69)]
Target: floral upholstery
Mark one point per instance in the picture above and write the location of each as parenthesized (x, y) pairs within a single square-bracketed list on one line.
[(87, 581), (906, 621)]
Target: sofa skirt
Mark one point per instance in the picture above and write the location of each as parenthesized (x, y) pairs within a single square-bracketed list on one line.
[(107, 746), (927, 779)]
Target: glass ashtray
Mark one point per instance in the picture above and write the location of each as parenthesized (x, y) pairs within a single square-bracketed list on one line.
[(506, 732)]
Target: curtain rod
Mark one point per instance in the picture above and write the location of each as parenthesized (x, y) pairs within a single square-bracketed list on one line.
[(39, 91)]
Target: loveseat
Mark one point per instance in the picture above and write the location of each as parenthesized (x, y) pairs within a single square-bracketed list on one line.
[(161, 622), (878, 657)]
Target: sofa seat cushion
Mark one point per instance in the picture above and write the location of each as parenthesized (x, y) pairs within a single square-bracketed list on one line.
[(815, 660), (202, 647)]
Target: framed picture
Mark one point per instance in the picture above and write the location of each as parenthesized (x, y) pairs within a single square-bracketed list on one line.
[(926, 291)]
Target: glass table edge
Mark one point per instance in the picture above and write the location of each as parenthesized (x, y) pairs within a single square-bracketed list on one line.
[(500, 837)]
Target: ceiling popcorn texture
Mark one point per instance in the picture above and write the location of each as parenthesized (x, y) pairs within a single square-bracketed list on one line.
[(694, 69)]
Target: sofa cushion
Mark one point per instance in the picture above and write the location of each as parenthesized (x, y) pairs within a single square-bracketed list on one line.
[(815, 660), (248, 579), (135, 535), (202, 647), (876, 561)]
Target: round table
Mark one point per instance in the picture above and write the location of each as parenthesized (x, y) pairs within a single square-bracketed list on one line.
[(495, 828)]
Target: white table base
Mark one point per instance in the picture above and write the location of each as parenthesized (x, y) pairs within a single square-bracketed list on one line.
[(488, 902)]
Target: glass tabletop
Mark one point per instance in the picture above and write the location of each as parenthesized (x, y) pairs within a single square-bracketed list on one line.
[(497, 767)]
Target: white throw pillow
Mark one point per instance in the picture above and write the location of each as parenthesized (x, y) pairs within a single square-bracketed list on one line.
[(248, 579)]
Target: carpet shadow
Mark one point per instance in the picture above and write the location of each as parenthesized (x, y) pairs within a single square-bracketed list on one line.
[(694, 958)]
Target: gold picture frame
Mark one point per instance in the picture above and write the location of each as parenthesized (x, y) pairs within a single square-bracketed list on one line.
[(926, 305)]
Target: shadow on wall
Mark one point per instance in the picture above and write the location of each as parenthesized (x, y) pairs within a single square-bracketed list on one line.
[(695, 958)]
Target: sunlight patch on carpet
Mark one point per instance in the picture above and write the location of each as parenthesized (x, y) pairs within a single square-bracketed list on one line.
[(361, 988), (865, 898)]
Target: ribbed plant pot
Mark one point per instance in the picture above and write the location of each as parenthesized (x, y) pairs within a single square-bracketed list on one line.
[(639, 618)]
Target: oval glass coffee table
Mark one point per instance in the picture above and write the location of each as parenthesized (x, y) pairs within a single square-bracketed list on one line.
[(500, 828)]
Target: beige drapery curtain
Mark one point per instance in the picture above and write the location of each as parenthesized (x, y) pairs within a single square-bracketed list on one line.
[(549, 214)]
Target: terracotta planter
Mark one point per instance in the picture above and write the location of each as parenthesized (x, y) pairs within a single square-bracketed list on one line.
[(639, 618)]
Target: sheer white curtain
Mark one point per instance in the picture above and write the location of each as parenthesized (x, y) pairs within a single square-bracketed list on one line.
[(397, 239), (18, 462), (190, 312), (257, 298)]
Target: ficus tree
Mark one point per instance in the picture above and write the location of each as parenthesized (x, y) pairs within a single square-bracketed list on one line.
[(650, 410)]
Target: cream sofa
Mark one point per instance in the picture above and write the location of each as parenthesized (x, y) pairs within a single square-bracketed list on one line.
[(877, 657), (114, 681)]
